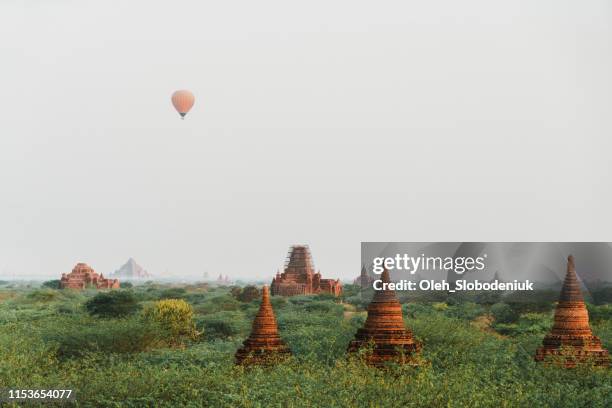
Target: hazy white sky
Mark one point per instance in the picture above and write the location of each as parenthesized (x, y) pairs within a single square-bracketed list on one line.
[(320, 122)]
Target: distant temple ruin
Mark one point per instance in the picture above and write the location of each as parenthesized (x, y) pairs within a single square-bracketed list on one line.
[(263, 346), (300, 278), (83, 276), (365, 279), (384, 331), (571, 338), (223, 280), (131, 271)]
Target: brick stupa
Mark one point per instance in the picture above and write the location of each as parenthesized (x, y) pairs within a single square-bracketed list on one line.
[(571, 328), (385, 332), (264, 346), (300, 278)]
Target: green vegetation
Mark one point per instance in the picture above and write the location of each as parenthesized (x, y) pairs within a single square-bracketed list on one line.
[(246, 294), (476, 354), (115, 303), (174, 316), (53, 284)]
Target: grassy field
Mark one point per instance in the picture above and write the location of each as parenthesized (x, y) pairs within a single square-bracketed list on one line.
[(474, 354)]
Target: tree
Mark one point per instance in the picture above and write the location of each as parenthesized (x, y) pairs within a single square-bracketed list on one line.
[(503, 313), (53, 284), (235, 291), (249, 293), (116, 303), (173, 293)]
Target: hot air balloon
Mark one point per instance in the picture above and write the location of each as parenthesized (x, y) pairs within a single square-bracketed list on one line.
[(183, 101)]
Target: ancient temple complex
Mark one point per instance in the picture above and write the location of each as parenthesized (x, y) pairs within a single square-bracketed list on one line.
[(300, 278), (264, 346), (385, 332), (571, 338), (83, 276)]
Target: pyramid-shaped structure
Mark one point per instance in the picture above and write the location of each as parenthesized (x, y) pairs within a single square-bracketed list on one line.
[(384, 331), (131, 270), (571, 328), (264, 345)]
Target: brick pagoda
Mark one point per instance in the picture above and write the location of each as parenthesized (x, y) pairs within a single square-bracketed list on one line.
[(83, 276), (571, 328), (300, 278), (263, 346), (385, 332), (365, 279)]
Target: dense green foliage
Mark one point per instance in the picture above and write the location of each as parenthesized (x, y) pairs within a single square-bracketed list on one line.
[(114, 303), (48, 339), (247, 294), (53, 284), (504, 313)]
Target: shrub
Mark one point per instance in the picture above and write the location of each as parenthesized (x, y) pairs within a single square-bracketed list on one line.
[(326, 297), (235, 291), (42, 295), (53, 284), (357, 301), (249, 293), (301, 299), (126, 285), (600, 313), (440, 306), (172, 293), (602, 295), (357, 321), (324, 307), (129, 335), (414, 310), (503, 313), (116, 303), (195, 298), (278, 302), (465, 311), (538, 301), (488, 297), (175, 316), (224, 325)]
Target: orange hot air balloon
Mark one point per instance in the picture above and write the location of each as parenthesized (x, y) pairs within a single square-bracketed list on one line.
[(183, 101)]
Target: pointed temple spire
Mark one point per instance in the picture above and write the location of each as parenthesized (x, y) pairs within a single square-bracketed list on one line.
[(264, 345), (384, 329), (364, 278), (300, 278), (571, 327)]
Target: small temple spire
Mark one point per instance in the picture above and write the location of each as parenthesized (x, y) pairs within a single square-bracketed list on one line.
[(571, 288), (386, 276), (264, 345), (571, 327), (384, 329)]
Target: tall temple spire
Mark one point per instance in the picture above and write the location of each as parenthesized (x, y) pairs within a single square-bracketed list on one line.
[(264, 345), (299, 276), (384, 329), (571, 327)]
